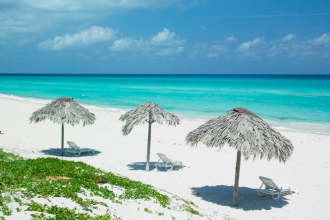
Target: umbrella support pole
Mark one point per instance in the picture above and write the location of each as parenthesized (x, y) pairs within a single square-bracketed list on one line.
[(238, 166), (62, 146), (148, 151)]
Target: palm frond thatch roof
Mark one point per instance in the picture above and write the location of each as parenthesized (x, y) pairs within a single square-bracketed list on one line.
[(147, 112), (64, 111), (245, 132)]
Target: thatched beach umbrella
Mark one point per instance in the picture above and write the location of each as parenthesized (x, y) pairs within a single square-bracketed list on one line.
[(247, 133), (147, 112), (61, 111)]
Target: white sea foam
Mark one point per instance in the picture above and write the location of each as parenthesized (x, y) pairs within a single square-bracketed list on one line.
[(46, 101), (24, 99), (301, 127), (106, 109)]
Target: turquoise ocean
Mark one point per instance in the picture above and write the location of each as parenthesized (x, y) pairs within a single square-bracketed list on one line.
[(294, 102)]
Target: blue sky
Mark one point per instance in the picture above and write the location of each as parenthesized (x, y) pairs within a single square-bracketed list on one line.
[(165, 36)]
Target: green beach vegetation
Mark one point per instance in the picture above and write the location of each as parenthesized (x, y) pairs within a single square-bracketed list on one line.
[(26, 179)]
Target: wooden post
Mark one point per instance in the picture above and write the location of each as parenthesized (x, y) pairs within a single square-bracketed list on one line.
[(148, 151), (62, 153), (238, 165)]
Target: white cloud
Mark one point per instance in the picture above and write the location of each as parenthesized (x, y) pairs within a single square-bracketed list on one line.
[(273, 51), (167, 52), (324, 39), (20, 17), (73, 5), (194, 3), (126, 44), (203, 27), (231, 39), (290, 49), (86, 37), (319, 46), (248, 44), (166, 38), (259, 49), (180, 49), (165, 42), (210, 51), (212, 55), (216, 50), (289, 37)]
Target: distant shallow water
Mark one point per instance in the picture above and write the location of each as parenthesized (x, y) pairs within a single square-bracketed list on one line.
[(287, 102)]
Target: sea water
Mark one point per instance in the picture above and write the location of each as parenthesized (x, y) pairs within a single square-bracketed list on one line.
[(297, 102)]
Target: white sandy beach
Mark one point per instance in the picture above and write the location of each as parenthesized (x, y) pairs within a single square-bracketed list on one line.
[(209, 180)]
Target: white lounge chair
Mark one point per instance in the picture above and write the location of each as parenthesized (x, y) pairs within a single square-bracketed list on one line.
[(165, 162), (77, 150), (275, 191)]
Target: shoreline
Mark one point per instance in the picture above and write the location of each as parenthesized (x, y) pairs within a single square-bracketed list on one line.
[(322, 129)]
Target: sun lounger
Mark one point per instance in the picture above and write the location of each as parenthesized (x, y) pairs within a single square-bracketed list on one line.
[(275, 191), (165, 162), (77, 150)]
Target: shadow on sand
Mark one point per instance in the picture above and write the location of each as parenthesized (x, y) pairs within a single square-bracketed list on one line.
[(57, 152), (248, 200), (152, 166), (141, 166)]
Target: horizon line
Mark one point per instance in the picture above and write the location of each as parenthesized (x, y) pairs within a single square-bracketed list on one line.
[(241, 74)]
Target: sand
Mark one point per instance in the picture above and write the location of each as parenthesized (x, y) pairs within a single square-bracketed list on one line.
[(209, 180)]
